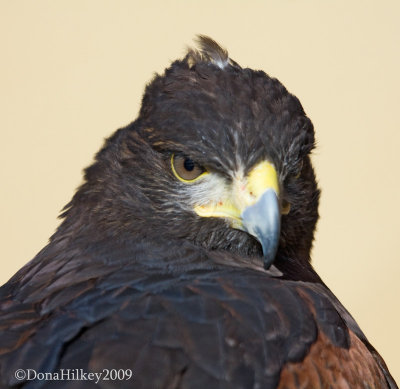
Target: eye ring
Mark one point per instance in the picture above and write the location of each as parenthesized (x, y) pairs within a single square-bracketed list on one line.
[(185, 169)]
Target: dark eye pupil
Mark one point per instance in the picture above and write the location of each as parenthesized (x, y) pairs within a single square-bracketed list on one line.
[(188, 164)]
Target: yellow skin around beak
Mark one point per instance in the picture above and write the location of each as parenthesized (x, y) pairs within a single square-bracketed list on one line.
[(246, 191), (252, 206)]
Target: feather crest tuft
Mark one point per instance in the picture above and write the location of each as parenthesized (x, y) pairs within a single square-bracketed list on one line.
[(208, 51)]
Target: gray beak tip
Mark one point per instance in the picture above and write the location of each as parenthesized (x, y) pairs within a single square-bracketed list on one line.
[(262, 220), (268, 260)]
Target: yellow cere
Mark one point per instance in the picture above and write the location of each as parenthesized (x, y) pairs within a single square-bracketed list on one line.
[(262, 177)]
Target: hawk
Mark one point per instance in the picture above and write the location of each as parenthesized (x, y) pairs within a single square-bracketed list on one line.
[(184, 257)]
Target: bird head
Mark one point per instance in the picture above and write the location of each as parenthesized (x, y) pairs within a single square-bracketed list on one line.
[(219, 156)]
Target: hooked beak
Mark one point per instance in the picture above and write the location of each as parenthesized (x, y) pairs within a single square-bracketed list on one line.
[(263, 221), (253, 207)]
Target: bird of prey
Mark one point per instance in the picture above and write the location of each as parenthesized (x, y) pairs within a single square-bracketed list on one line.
[(184, 257)]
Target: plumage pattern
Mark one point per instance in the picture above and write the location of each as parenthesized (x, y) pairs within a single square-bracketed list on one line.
[(135, 279)]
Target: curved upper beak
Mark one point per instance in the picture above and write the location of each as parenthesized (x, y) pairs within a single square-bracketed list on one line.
[(252, 206), (263, 221)]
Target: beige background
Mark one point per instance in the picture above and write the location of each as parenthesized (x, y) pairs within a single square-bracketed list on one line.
[(71, 72)]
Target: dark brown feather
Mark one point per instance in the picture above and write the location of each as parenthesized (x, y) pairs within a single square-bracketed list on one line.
[(208, 51)]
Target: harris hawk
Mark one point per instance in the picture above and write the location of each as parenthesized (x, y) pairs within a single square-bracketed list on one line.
[(184, 257)]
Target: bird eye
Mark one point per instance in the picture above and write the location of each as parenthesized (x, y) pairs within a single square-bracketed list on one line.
[(285, 207), (185, 168)]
